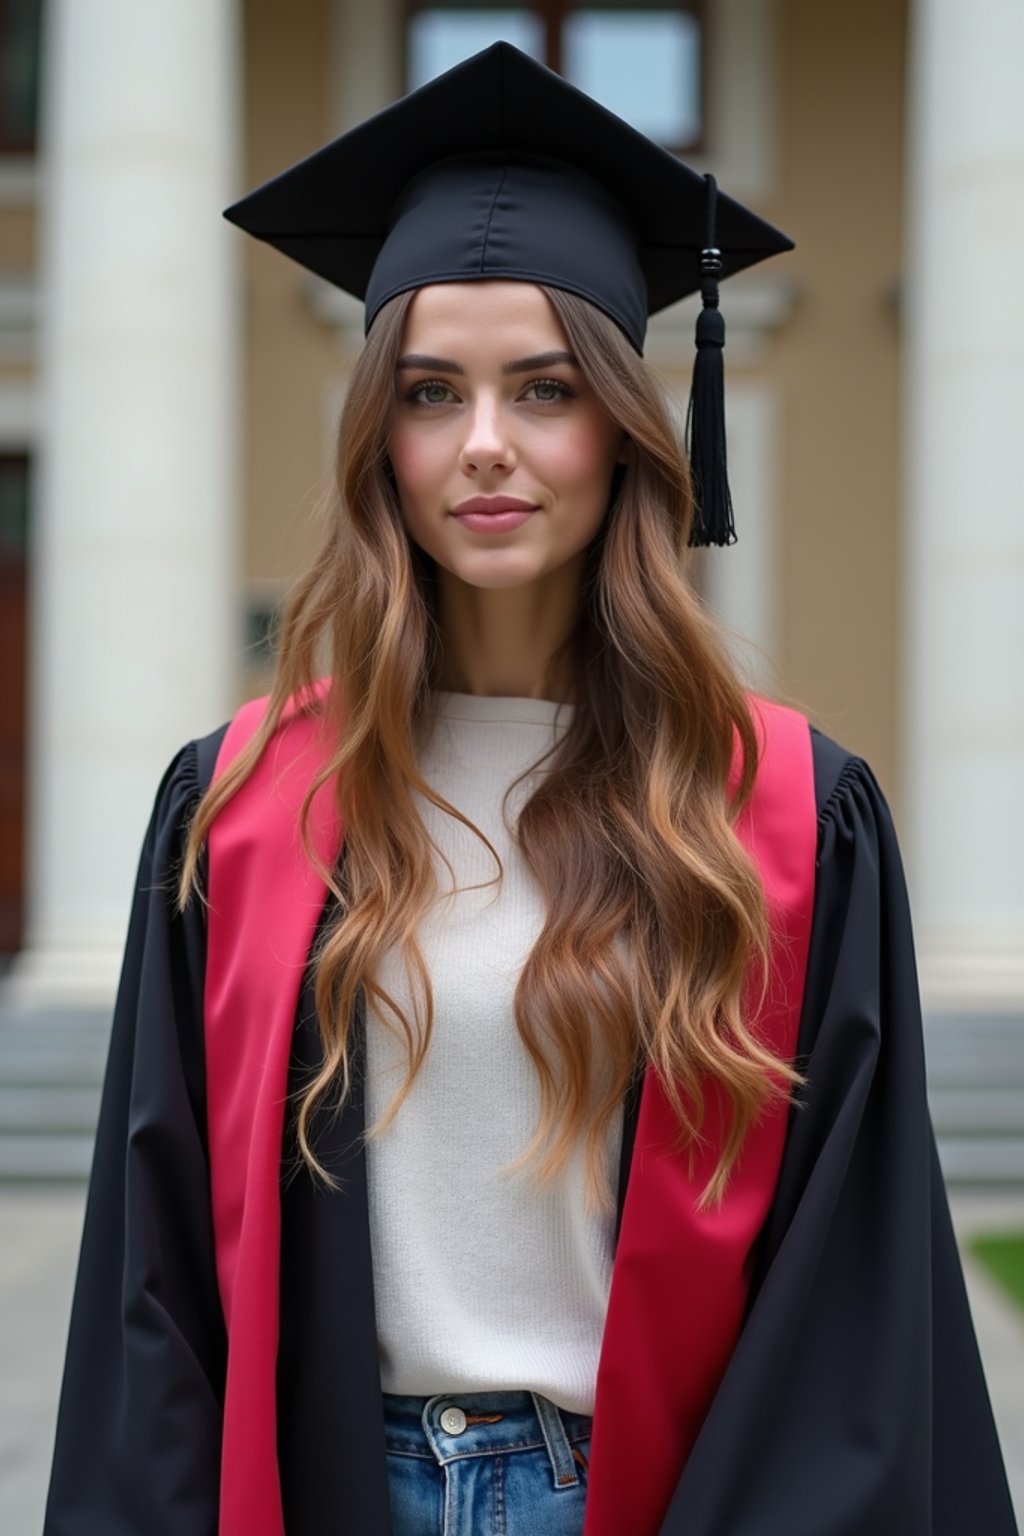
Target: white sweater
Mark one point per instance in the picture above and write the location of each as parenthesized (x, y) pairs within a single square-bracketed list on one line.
[(482, 1283)]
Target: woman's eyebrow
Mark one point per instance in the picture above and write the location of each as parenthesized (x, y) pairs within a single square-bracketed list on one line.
[(519, 365)]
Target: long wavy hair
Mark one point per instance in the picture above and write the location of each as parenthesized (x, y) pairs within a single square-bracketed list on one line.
[(629, 833)]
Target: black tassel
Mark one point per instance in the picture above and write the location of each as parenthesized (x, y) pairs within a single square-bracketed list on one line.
[(705, 417)]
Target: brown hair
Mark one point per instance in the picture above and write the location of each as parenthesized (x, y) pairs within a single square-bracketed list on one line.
[(630, 831)]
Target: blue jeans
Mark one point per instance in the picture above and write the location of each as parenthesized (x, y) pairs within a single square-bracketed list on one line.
[(485, 1464)]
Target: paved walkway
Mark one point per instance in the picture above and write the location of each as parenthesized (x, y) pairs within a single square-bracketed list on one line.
[(1000, 1328), (39, 1235)]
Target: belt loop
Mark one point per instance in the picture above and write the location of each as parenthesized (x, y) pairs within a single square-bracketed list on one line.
[(563, 1467)]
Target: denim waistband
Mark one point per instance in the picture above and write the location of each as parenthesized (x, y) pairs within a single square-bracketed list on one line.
[(452, 1425)]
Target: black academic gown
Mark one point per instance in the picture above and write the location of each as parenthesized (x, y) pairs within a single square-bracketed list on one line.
[(854, 1402)]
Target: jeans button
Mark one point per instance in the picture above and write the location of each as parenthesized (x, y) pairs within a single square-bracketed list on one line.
[(453, 1421)]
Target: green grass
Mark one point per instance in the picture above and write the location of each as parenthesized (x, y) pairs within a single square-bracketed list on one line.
[(1003, 1257)]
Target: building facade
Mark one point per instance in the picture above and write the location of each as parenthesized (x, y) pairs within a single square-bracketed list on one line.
[(169, 394)]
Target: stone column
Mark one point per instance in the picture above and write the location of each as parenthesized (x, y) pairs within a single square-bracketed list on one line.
[(964, 684), (133, 644)]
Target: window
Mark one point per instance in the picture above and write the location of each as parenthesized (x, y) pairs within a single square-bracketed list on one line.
[(19, 75), (644, 62), (14, 529), (262, 616)]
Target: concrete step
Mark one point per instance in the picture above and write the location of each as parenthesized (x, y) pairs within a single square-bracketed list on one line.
[(980, 1070), (939, 1023), (976, 1093), (35, 1068), (51, 1073), (982, 1160), (52, 1066), (980, 1111), (43, 1051), (38, 1159), (51, 1109)]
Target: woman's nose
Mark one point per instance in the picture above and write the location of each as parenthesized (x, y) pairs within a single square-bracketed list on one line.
[(487, 442)]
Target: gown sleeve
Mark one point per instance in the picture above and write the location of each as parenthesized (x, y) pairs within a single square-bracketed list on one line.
[(139, 1424), (854, 1403)]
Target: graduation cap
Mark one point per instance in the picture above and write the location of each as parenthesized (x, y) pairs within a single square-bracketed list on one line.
[(500, 168)]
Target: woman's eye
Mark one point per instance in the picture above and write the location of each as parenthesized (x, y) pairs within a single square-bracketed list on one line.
[(416, 394), (555, 391), (562, 391)]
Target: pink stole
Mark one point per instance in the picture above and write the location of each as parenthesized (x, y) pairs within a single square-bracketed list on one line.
[(680, 1278)]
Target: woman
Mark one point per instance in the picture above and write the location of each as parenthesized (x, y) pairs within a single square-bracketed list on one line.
[(615, 1211)]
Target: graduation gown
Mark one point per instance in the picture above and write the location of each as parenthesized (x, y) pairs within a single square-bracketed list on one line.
[(853, 1404)]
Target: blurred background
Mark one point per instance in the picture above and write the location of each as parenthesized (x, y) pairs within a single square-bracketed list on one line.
[(169, 394)]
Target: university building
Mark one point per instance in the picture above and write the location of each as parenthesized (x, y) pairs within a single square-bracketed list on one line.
[(169, 394)]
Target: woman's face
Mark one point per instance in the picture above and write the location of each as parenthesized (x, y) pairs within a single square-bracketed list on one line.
[(465, 426)]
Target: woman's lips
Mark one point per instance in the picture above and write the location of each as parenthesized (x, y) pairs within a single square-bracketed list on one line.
[(494, 522), (494, 504)]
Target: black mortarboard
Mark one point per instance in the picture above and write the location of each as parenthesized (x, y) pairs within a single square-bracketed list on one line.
[(500, 168)]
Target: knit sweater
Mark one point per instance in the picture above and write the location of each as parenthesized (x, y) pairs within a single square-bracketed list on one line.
[(482, 1281)]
